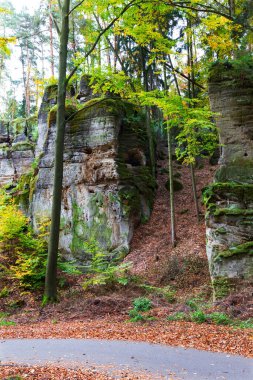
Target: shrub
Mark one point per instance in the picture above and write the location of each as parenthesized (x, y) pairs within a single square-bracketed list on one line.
[(142, 304), (23, 254), (219, 318), (102, 271), (198, 316), (4, 321), (140, 308)]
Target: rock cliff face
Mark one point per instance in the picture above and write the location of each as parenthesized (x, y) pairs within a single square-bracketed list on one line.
[(229, 201), (108, 187), (16, 150)]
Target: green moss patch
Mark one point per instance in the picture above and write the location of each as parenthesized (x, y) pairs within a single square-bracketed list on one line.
[(22, 145), (96, 230), (232, 211), (241, 249), (231, 192)]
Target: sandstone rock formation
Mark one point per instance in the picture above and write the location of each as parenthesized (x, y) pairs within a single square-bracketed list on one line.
[(229, 201), (108, 187), (16, 150)]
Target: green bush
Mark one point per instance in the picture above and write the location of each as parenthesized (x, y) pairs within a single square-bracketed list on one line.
[(103, 272), (219, 318), (23, 254), (142, 304), (248, 324), (4, 321), (198, 316)]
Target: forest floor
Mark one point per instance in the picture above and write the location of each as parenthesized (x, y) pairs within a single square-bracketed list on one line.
[(104, 313)]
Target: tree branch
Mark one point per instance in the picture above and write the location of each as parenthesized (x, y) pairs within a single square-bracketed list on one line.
[(206, 9), (115, 52), (76, 6), (55, 24), (99, 36)]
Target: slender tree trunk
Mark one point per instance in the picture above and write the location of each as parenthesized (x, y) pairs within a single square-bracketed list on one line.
[(148, 119), (191, 90), (171, 176), (43, 60), (194, 190), (51, 273), (231, 4), (27, 89), (116, 52), (172, 203), (51, 39)]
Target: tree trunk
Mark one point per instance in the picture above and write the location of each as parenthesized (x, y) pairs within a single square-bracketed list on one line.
[(147, 111), (51, 273), (172, 205), (194, 190), (51, 39), (171, 177), (231, 5), (191, 90)]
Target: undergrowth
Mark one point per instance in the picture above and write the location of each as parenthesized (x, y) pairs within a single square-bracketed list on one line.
[(4, 321), (23, 254), (197, 314), (103, 272), (139, 312)]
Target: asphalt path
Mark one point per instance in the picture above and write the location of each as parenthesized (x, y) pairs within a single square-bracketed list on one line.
[(160, 361)]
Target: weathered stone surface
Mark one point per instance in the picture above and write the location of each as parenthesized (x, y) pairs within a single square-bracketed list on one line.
[(234, 106), (229, 201), (16, 153), (48, 101), (229, 229), (107, 186)]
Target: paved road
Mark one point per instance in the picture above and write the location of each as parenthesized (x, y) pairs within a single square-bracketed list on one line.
[(159, 360)]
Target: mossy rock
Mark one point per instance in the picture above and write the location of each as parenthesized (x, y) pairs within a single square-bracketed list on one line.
[(70, 110), (236, 250), (232, 211), (221, 231), (22, 146), (231, 192), (240, 171), (177, 185), (232, 72)]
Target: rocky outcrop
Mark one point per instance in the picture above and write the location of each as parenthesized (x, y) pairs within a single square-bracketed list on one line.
[(229, 201), (16, 150), (108, 187)]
